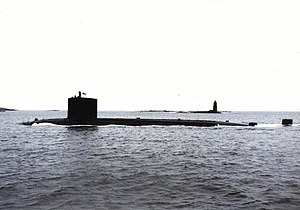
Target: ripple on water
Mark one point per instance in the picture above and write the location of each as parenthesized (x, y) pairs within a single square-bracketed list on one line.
[(117, 167)]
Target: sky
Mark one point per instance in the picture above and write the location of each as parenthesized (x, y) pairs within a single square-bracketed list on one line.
[(156, 54)]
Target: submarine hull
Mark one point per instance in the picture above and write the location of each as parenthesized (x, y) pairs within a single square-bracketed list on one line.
[(134, 122)]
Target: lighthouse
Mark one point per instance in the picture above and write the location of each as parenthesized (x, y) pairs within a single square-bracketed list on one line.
[(215, 107)]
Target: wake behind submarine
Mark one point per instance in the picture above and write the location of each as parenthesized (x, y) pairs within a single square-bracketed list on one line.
[(83, 111)]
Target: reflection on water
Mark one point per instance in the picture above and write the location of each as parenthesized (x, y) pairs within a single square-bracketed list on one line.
[(82, 128)]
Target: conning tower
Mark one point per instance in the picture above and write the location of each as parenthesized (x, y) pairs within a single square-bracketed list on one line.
[(82, 109)]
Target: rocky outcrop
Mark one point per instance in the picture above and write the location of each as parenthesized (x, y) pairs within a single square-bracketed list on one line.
[(5, 109)]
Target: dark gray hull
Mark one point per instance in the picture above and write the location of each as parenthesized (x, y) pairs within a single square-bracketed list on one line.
[(135, 122)]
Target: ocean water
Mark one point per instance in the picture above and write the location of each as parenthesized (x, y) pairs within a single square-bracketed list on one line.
[(150, 167)]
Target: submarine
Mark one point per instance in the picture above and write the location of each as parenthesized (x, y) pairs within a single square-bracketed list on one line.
[(83, 111)]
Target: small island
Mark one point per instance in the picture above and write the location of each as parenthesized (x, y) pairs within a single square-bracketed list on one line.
[(5, 109), (213, 111)]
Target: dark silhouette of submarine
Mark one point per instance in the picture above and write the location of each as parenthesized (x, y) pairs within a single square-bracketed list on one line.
[(83, 111)]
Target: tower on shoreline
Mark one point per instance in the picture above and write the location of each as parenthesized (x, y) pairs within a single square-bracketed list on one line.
[(215, 107)]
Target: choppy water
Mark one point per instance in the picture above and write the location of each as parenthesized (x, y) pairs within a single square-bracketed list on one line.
[(150, 167)]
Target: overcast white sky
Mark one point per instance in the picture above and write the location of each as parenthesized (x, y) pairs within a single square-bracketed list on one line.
[(156, 54)]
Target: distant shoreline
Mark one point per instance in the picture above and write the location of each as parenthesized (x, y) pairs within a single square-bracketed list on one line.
[(191, 112), (6, 109)]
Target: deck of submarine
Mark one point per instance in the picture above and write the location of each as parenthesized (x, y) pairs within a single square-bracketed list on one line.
[(134, 122)]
